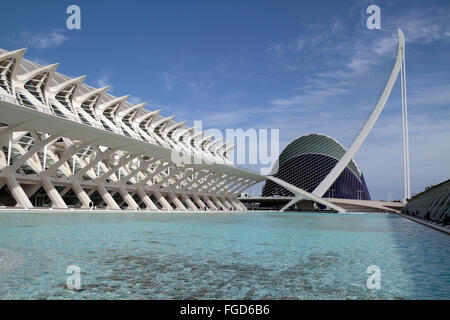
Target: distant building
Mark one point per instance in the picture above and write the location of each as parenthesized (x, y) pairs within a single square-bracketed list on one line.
[(307, 160), (432, 204)]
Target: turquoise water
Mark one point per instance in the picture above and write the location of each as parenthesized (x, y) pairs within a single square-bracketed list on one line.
[(220, 256)]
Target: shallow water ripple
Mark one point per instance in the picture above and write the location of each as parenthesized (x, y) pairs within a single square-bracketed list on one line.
[(221, 256)]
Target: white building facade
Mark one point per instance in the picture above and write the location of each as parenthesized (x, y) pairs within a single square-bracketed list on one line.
[(65, 144)]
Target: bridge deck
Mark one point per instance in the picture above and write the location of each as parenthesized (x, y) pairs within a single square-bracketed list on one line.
[(348, 204)]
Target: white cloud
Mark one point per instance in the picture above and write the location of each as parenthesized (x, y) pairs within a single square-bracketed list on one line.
[(315, 35), (425, 26), (277, 49), (385, 45), (43, 40), (366, 55), (135, 100), (103, 81)]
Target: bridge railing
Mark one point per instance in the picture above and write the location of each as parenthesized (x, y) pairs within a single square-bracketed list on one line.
[(11, 99)]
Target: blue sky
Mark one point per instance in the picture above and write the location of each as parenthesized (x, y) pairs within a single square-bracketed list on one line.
[(259, 64)]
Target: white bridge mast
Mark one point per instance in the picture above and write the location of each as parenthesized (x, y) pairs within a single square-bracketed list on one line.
[(406, 174), (325, 184)]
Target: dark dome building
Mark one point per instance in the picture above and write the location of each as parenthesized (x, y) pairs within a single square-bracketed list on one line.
[(306, 161)]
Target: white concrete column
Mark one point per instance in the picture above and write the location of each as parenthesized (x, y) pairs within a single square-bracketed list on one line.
[(231, 202), (200, 203), (162, 201), (128, 198), (75, 178), (16, 190), (10, 171), (241, 205), (189, 202), (106, 196), (238, 205), (81, 194), (218, 203), (55, 197), (123, 182), (148, 202), (226, 203), (209, 203), (176, 201)]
